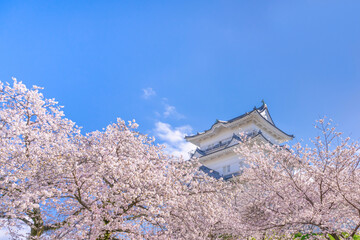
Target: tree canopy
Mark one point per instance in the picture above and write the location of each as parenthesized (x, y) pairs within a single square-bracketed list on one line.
[(118, 184)]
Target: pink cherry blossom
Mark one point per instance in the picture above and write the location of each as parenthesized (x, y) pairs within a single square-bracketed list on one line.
[(110, 184), (303, 189)]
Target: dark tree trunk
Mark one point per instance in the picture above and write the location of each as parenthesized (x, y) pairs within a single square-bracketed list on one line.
[(335, 236), (37, 229)]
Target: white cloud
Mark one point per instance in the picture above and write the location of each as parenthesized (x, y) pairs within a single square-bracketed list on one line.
[(173, 139), (148, 93), (170, 111)]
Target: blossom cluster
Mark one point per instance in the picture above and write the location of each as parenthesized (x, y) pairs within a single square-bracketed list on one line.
[(110, 184), (118, 184)]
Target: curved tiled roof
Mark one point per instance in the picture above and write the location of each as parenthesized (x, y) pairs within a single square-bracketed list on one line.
[(216, 174), (289, 135), (219, 147), (210, 172), (259, 110)]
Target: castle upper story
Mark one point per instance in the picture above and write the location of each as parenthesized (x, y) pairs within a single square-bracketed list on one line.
[(215, 146)]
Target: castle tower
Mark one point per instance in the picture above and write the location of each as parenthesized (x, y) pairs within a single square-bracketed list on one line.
[(215, 146)]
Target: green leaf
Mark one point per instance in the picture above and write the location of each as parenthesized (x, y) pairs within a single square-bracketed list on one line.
[(331, 237), (297, 235), (356, 237)]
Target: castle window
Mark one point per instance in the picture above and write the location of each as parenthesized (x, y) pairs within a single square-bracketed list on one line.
[(226, 169)]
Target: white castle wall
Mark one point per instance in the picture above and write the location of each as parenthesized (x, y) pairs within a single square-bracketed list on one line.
[(231, 160)]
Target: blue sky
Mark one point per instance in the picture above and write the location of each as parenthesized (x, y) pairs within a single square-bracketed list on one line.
[(176, 66)]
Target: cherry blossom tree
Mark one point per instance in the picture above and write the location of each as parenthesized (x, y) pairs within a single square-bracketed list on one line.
[(35, 144), (110, 184), (204, 210), (128, 188), (118, 184), (302, 189)]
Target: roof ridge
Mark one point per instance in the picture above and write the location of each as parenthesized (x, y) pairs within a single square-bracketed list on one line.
[(258, 109)]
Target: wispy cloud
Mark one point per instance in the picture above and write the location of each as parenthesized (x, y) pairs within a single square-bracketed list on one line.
[(148, 93), (170, 111), (173, 139)]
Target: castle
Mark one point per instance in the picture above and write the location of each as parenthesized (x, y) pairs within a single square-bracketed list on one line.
[(215, 146)]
